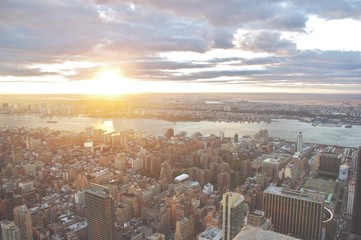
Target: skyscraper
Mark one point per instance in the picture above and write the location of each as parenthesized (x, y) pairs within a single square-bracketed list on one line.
[(356, 210), (328, 164), (294, 212), (184, 229), (22, 219), (299, 142), (236, 138), (9, 231), (232, 207), (221, 135), (169, 133), (100, 214)]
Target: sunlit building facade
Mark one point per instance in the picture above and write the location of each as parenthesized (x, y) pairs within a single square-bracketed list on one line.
[(22, 219), (9, 231), (99, 207), (233, 213), (294, 212)]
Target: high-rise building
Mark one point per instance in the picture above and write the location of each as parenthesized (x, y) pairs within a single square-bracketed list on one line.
[(328, 164), (169, 133), (294, 212), (22, 219), (9, 231), (299, 142), (157, 214), (356, 210), (221, 135), (233, 213), (100, 213), (236, 138), (184, 229)]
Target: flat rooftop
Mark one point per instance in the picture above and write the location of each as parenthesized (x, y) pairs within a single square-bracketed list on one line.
[(304, 195), (251, 233), (210, 233), (320, 184)]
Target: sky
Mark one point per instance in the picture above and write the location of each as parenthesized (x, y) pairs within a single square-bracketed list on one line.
[(116, 46)]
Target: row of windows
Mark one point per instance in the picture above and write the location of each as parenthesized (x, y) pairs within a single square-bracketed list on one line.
[(299, 217)]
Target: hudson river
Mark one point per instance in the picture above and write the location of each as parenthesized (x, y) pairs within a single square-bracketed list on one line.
[(282, 128)]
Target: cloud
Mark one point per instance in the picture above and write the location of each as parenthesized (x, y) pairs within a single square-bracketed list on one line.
[(264, 41), (137, 35), (331, 9)]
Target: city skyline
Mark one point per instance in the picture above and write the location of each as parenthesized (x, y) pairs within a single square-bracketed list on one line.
[(111, 47)]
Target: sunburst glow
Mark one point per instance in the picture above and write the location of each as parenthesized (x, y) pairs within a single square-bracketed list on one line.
[(110, 82)]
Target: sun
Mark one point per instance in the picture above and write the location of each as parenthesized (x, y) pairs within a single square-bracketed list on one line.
[(110, 82)]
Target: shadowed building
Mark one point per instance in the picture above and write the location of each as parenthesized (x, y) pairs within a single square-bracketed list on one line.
[(294, 212), (99, 207), (9, 231), (185, 229), (356, 210), (22, 219), (299, 142), (328, 164)]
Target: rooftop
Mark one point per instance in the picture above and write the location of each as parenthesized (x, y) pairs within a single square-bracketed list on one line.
[(320, 184), (276, 158), (235, 198), (77, 226), (251, 233), (304, 195), (210, 233)]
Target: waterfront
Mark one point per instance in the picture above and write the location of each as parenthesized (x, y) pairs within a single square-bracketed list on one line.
[(282, 128)]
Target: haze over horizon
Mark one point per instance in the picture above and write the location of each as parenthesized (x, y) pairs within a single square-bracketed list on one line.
[(113, 47)]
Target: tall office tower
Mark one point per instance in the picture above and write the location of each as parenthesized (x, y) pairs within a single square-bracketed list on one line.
[(22, 219), (169, 133), (184, 229), (356, 210), (232, 207), (221, 135), (294, 212), (328, 164), (299, 142), (9, 231), (236, 138), (100, 215)]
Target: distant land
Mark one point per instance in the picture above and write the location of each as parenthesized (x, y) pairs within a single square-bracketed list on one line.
[(293, 98)]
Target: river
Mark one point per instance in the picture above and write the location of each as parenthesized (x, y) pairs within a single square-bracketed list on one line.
[(282, 128)]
